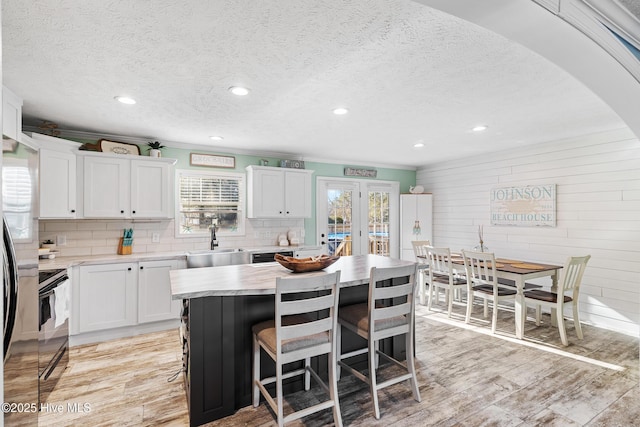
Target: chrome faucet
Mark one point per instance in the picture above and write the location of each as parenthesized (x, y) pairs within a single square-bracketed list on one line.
[(214, 240)]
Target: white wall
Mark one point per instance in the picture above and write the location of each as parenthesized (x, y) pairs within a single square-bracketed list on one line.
[(598, 213)]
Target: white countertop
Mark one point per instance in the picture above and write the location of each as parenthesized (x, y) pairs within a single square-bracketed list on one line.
[(67, 262), (260, 279)]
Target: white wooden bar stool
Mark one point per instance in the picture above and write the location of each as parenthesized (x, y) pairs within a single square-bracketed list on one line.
[(294, 335), (389, 312)]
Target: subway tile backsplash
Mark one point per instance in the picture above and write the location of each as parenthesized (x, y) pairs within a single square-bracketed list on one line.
[(100, 237)]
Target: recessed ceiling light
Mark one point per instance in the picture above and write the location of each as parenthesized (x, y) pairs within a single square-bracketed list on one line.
[(340, 111), (216, 138), (239, 90), (125, 100), (418, 145), (480, 128)]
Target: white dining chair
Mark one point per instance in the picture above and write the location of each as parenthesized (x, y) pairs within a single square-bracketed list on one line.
[(420, 254), (389, 312), (569, 282), (482, 282), (305, 326), (443, 276)]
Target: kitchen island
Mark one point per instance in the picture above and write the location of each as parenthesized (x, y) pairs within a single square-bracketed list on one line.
[(221, 304)]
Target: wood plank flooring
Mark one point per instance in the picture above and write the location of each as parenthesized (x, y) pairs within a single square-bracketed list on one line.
[(467, 378)]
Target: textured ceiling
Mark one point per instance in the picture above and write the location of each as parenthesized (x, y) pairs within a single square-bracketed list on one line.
[(406, 72)]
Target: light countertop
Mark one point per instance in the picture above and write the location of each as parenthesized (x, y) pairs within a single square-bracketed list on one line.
[(260, 279), (71, 261)]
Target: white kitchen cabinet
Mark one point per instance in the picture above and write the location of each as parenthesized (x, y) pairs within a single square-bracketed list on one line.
[(154, 291), (117, 187), (278, 192), (57, 184), (105, 296), (415, 207), (11, 114)]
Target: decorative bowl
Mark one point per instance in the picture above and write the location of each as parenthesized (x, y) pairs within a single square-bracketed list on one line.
[(303, 265)]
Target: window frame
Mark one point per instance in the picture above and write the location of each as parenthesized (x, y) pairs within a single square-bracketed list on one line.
[(241, 177)]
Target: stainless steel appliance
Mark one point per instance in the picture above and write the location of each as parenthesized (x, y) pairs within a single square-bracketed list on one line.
[(258, 257), (20, 278), (53, 337)]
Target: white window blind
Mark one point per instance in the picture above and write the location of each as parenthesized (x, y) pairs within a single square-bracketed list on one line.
[(209, 199)]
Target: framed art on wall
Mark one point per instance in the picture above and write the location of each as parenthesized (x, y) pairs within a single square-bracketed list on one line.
[(114, 147), (213, 160)]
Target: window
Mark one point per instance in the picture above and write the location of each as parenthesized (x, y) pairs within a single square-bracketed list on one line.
[(207, 199)]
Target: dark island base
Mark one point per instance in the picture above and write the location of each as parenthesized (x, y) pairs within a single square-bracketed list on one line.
[(219, 350)]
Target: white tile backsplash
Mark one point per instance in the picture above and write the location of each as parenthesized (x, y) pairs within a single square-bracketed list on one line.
[(100, 237)]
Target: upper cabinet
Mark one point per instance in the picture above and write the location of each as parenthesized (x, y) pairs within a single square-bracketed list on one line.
[(119, 186), (57, 184), (278, 192), (11, 114), (58, 180)]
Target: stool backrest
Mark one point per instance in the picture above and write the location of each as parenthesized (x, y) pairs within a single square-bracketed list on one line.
[(391, 300), (312, 301)]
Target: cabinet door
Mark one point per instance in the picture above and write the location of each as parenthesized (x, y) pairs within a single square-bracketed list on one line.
[(107, 296), (57, 184), (11, 114), (154, 292), (267, 194), (297, 194), (150, 192), (106, 187)]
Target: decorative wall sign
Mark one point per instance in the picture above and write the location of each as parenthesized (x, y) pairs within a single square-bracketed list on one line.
[(213, 161), (369, 173), (525, 206), (296, 164)]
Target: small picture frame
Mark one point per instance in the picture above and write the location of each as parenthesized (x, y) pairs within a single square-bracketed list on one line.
[(213, 160), (114, 147)]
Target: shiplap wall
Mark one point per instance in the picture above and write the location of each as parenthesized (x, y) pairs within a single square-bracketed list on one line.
[(598, 213)]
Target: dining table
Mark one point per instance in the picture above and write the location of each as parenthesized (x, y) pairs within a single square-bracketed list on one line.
[(518, 271)]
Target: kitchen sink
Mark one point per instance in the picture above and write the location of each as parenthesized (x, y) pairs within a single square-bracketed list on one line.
[(218, 257)]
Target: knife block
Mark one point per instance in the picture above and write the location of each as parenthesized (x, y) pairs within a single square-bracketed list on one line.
[(125, 246)]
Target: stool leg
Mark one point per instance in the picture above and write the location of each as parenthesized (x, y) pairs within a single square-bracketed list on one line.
[(279, 394), (307, 374), (333, 389), (412, 368), (256, 372), (338, 349), (372, 377)]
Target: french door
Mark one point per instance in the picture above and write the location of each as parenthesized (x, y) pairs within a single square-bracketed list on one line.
[(357, 217)]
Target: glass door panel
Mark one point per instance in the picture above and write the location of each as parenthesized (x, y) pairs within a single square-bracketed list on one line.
[(338, 217), (378, 223)]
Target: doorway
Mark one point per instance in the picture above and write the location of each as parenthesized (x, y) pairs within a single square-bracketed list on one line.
[(355, 217)]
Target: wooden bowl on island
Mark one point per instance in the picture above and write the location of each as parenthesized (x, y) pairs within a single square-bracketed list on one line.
[(304, 265)]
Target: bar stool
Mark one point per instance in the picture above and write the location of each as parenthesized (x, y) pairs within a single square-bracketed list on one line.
[(294, 335), (389, 312)]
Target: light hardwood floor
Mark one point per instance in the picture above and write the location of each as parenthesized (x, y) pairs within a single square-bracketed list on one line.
[(467, 378)]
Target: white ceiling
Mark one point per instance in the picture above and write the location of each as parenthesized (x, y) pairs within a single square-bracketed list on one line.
[(406, 72)]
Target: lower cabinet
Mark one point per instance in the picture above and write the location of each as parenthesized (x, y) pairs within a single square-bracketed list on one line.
[(154, 292), (108, 296)]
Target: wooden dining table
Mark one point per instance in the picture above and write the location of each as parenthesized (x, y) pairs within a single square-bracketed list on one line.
[(519, 272)]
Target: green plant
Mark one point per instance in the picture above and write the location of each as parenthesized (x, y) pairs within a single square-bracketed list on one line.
[(155, 145)]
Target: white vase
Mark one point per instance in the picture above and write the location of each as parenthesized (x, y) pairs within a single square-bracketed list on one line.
[(155, 153)]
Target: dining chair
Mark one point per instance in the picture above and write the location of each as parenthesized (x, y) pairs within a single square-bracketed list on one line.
[(443, 276), (569, 282), (482, 282), (420, 254), (389, 312), (305, 326)]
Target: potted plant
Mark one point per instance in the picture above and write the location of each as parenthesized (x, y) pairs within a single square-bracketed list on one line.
[(154, 149)]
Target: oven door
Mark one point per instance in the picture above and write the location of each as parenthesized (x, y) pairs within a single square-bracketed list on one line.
[(53, 334)]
